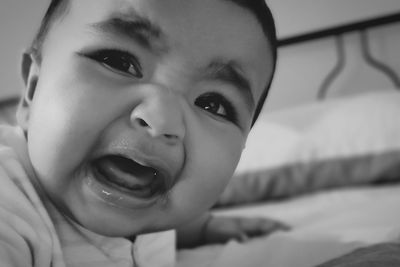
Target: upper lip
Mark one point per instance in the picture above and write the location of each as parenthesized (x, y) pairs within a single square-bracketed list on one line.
[(163, 169)]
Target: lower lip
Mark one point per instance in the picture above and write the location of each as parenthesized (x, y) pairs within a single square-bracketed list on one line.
[(115, 197)]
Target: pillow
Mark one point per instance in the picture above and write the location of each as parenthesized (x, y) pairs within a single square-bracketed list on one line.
[(300, 178), (271, 141), (269, 144), (362, 125), (355, 142)]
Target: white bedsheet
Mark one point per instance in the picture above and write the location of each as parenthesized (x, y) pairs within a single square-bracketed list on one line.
[(325, 225)]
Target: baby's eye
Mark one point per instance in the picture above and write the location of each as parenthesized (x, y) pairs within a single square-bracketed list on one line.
[(217, 105), (118, 61)]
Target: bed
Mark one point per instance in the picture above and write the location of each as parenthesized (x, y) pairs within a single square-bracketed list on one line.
[(329, 168)]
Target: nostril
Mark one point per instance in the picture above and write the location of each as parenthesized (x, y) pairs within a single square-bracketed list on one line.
[(170, 136), (142, 122), (157, 125), (171, 139)]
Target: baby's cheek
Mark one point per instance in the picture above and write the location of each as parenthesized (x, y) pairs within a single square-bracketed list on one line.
[(212, 151), (207, 175)]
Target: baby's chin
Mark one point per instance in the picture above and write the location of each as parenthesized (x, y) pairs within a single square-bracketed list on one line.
[(168, 212), (103, 206), (116, 224), (82, 206)]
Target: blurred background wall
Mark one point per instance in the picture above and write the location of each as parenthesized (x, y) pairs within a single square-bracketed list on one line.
[(18, 21)]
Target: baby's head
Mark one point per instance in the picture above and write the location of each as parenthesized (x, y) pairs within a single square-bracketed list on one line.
[(136, 111)]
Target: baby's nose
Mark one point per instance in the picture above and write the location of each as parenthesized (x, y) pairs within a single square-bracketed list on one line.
[(161, 115)]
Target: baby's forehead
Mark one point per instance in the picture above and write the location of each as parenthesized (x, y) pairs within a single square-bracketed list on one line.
[(205, 32)]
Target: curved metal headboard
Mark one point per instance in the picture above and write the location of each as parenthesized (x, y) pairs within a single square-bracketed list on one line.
[(367, 56)]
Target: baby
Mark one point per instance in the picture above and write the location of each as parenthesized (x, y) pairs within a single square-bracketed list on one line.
[(133, 118)]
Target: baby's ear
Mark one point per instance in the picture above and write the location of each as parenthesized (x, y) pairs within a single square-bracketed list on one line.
[(30, 74)]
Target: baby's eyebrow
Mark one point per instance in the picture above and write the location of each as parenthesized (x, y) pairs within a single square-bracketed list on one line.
[(228, 72), (136, 28)]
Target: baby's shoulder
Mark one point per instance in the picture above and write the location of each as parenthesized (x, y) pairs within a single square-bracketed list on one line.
[(18, 195), (24, 221), (12, 169)]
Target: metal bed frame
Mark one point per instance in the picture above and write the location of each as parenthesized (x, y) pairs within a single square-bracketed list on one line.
[(338, 32)]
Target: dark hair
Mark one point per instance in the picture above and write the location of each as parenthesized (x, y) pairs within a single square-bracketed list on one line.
[(264, 16), (258, 7), (55, 10)]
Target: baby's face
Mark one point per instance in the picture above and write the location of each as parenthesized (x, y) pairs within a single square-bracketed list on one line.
[(142, 108)]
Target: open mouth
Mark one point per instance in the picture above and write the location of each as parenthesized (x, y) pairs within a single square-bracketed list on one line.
[(129, 177)]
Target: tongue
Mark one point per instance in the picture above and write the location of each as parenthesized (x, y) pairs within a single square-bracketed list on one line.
[(125, 172)]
